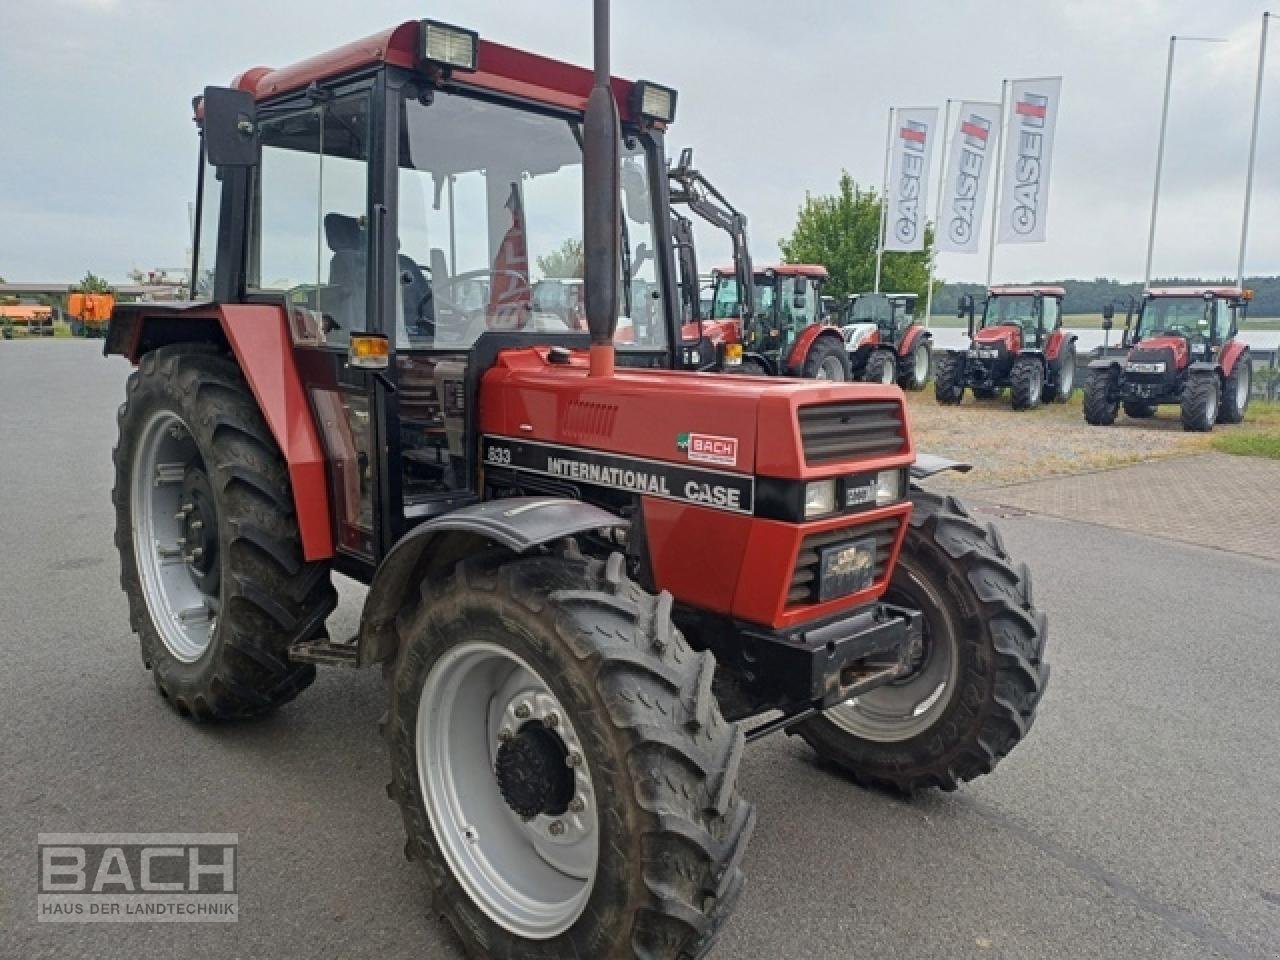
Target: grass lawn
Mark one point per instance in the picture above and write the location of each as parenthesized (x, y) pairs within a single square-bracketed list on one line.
[(1258, 436), (1093, 321)]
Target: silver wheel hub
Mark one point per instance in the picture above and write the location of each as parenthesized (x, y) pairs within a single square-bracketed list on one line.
[(507, 789), (174, 537), (921, 364), (1068, 376), (830, 369), (1243, 385)]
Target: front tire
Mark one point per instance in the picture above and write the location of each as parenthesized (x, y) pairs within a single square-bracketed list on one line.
[(948, 378), (210, 553), (1026, 381), (657, 764), (974, 695), (882, 367), (1200, 401), (1100, 409)]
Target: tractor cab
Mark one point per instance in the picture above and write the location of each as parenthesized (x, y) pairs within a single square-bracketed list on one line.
[(1019, 317), (786, 322), (1183, 349)]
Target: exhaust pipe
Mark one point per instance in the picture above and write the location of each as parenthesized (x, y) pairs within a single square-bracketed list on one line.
[(600, 207)]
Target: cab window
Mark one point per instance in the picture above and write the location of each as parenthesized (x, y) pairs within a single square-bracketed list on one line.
[(1052, 308)]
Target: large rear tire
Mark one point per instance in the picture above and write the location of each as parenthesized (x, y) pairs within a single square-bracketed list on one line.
[(918, 366), (1064, 384), (1099, 407), (1026, 382), (210, 553), (948, 378), (647, 831), (982, 672), (1200, 402), (827, 360), (1236, 390)]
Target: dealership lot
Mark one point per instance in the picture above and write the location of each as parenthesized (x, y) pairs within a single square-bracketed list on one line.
[(1140, 820)]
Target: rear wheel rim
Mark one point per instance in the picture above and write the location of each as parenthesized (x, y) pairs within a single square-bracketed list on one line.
[(1068, 376), (533, 876), (908, 707), (176, 564), (1243, 385)]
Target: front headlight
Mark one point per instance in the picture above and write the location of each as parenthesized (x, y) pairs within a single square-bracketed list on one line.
[(819, 498), (888, 487)]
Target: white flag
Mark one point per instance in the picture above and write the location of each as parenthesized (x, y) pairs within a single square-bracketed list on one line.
[(967, 176), (1028, 156), (911, 144)]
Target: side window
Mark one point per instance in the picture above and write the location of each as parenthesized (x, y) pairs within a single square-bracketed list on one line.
[(1051, 309), (1222, 320), (311, 219), (206, 243)]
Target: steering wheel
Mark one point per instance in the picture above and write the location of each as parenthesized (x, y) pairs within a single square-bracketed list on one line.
[(424, 310)]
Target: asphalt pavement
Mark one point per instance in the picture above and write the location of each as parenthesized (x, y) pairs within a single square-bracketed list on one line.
[(1141, 819)]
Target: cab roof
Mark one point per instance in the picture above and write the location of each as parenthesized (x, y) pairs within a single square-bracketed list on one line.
[(782, 269), (1224, 292), (499, 69), (1027, 291)]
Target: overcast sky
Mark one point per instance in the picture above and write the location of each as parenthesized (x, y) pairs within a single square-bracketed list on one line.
[(97, 154)]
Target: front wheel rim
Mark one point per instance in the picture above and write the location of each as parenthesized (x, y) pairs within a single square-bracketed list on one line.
[(533, 876), (910, 706), (174, 539), (886, 372), (922, 365)]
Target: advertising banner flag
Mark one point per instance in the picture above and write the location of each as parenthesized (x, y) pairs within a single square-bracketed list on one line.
[(914, 133), (975, 142), (1028, 157)]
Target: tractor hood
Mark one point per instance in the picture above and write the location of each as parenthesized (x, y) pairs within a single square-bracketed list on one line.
[(1164, 344), (1006, 337), (764, 426)]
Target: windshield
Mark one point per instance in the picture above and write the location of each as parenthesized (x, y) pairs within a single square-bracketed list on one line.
[(1185, 316), (872, 308), (725, 303), (1019, 311), (490, 228)]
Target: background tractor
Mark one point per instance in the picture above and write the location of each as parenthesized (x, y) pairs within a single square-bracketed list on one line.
[(89, 312), (592, 577), (885, 343), (1183, 350), (1018, 344)]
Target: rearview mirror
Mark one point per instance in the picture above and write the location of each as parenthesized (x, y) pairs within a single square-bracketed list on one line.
[(230, 127), (1107, 322), (1108, 312)]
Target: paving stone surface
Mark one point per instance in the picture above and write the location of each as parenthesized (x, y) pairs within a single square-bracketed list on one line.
[(1212, 499)]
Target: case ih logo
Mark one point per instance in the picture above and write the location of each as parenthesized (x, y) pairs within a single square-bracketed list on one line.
[(913, 136), (976, 132), (708, 449), (1031, 110)]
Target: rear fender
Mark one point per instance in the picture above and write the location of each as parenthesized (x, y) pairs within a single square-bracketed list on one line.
[(913, 335), (1056, 342), (258, 336), (430, 549), (794, 364), (1230, 356)]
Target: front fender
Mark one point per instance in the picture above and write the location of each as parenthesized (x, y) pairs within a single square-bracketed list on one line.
[(914, 334), (927, 464), (517, 524)]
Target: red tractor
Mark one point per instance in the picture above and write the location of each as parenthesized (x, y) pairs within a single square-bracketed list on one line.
[(1019, 345), (587, 570), (1183, 350), (885, 343)]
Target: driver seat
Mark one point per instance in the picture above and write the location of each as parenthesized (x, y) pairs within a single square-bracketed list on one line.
[(348, 272)]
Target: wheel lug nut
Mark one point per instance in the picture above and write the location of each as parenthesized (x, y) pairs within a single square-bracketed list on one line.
[(574, 759), (522, 712), (556, 828), (197, 553), (197, 525), (552, 720), (577, 805), (505, 735)]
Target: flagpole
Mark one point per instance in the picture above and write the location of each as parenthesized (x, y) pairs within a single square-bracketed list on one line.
[(884, 198), (1253, 149), (1155, 193), (999, 175), (937, 211)]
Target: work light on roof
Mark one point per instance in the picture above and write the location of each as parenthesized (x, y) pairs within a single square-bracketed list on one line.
[(449, 46), (653, 102)]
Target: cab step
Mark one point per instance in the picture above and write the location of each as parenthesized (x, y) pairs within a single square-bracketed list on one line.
[(325, 653)]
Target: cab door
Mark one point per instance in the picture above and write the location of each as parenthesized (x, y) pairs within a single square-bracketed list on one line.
[(314, 245)]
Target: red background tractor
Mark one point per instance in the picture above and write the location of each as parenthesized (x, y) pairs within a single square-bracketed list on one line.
[(1184, 350), (1018, 344)]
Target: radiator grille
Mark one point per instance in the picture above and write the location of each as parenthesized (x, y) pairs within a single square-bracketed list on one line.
[(804, 579), (855, 430)]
